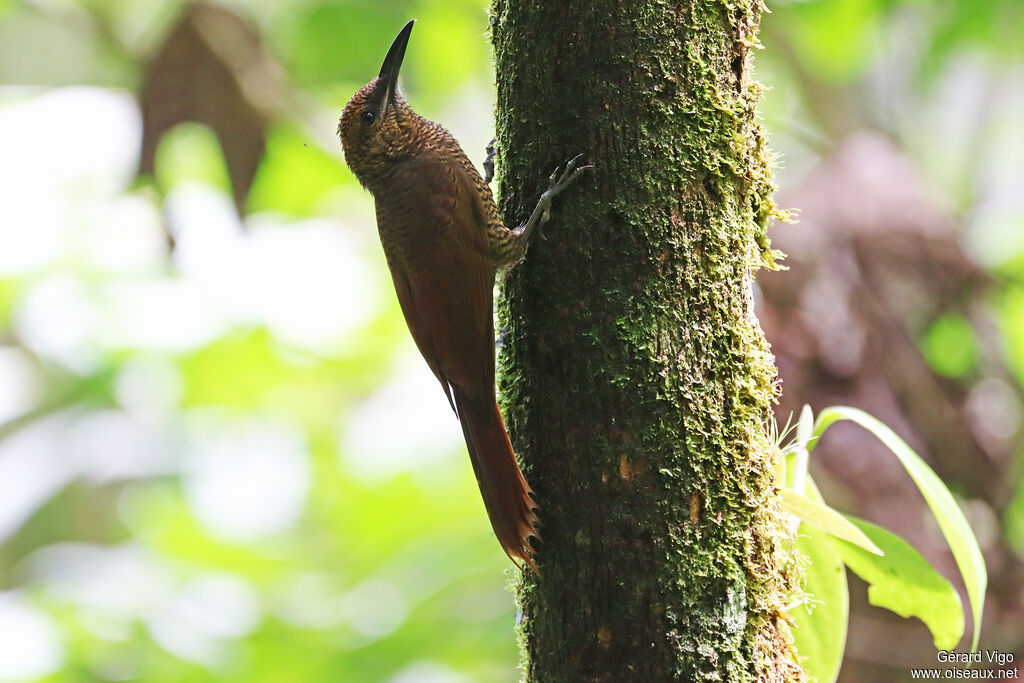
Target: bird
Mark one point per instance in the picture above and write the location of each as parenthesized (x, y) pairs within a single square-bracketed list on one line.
[(444, 241)]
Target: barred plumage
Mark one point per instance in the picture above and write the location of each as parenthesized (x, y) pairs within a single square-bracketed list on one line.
[(444, 240)]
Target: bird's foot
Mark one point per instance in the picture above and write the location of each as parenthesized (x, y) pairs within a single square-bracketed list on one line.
[(489, 163), (557, 182)]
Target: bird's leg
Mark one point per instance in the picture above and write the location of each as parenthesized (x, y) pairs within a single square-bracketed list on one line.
[(489, 163), (556, 183)]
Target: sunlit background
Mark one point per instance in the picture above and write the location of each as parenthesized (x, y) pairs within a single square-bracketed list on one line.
[(221, 457)]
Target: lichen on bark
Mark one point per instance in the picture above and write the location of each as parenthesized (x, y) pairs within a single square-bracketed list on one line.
[(634, 375)]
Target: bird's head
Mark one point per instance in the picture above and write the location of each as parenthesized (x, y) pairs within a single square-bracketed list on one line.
[(377, 123)]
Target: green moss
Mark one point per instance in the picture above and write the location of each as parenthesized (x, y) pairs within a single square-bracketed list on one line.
[(634, 377)]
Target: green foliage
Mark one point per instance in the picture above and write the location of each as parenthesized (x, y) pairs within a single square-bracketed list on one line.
[(900, 580), (821, 621), (296, 176), (326, 42), (8, 296), (898, 577), (950, 346), (826, 519), (1014, 521), (990, 25), (381, 569), (414, 538), (838, 35), (191, 152), (1013, 328), (947, 513)]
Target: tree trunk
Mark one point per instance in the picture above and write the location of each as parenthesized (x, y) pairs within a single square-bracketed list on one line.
[(635, 377)]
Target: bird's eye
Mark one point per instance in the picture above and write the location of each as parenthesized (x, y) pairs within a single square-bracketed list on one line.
[(368, 117)]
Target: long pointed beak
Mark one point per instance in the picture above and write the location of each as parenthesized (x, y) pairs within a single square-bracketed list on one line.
[(393, 62)]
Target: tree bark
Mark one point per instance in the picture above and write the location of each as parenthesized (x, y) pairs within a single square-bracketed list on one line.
[(635, 377)]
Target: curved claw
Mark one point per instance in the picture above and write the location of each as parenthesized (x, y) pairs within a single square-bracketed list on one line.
[(489, 163), (557, 181)]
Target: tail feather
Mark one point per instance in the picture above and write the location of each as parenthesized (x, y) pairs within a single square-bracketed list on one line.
[(505, 492)]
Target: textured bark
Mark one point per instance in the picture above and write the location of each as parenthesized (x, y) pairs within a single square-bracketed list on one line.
[(636, 380)]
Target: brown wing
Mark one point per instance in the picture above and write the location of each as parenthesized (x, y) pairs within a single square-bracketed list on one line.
[(441, 266), (443, 276)]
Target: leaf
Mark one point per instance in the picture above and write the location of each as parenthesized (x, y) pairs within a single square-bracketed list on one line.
[(805, 427), (801, 452), (820, 626), (951, 520), (904, 582), (213, 69), (825, 518)]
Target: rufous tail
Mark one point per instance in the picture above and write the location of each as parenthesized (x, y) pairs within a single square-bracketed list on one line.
[(506, 493)]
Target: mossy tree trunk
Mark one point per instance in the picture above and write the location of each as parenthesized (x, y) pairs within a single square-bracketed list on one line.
[(635, 377)]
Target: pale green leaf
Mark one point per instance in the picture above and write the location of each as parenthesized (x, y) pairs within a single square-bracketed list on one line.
[(904, 582), (820, 624), (951, 520), (805, 427), (825, 518)]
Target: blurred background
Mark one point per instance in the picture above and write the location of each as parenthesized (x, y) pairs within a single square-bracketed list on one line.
[(221, 458)]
